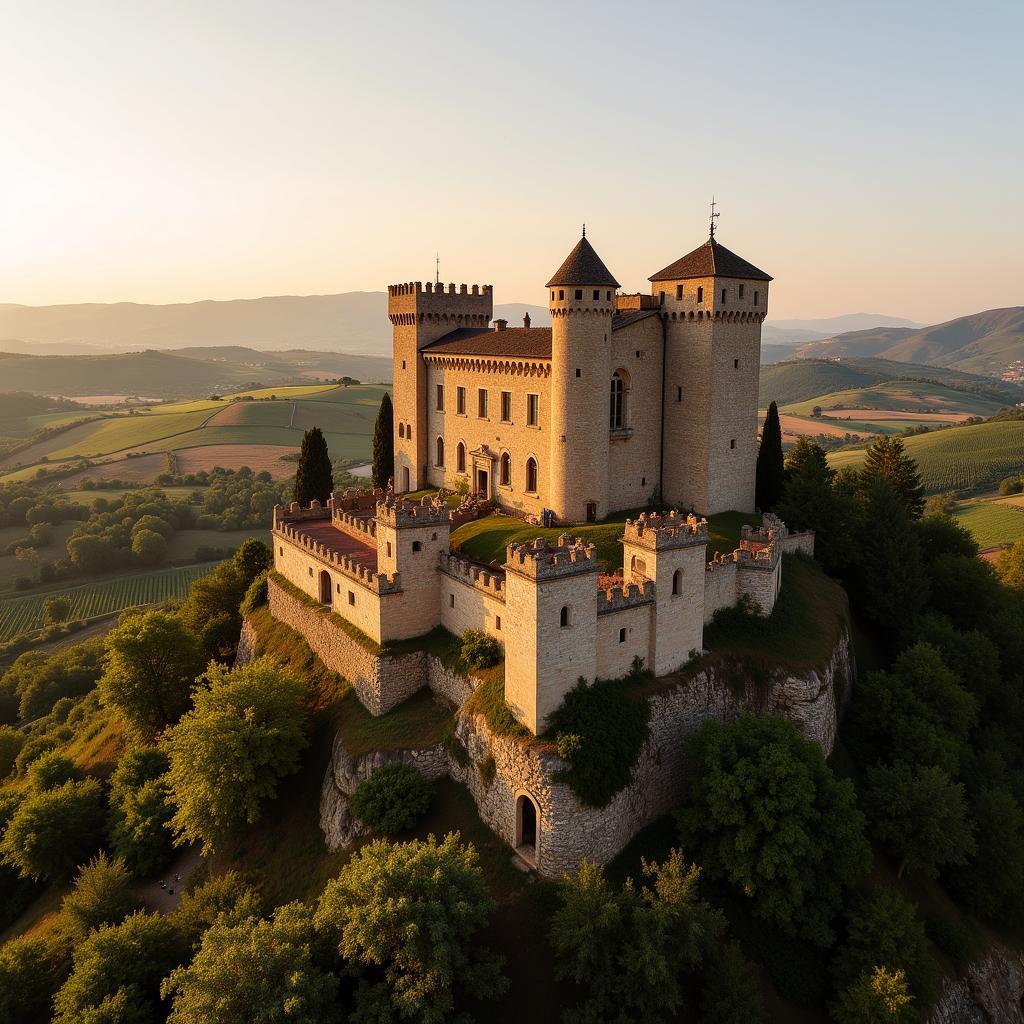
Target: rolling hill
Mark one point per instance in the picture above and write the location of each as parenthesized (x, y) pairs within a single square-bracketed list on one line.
[(353, 322), (800, 380), (795, 332), (972, 457), (153, 374), (905, 396), (980, 343)]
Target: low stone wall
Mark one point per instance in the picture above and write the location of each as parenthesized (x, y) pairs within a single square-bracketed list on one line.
[(449, 684), (381, 681), (568, 831), (799, 544)]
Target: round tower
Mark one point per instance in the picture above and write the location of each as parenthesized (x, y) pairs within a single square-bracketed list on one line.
[(581, 297)]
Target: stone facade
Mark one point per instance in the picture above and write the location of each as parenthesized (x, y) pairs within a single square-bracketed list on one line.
[(633, 395)]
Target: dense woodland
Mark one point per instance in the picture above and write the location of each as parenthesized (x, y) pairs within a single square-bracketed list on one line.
[(846, 886)]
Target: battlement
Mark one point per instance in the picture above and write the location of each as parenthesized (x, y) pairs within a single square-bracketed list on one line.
[(658, 532), (401, 513), (756, 556), (541, 560), (626, 595), (414, 301), (295, 513), (490, 581), (360, 526), (356, 501), (378, 582)]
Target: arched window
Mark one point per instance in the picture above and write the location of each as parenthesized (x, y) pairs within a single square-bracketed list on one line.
[(460, 458), (563, 616), (505, 470), (677, 582), (408, 431), (617, 417), (401, 430), (440, 451), (531, 475)]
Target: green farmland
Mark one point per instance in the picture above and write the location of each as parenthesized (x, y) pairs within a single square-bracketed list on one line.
[(959, 458), (992, 522), (21, 614)]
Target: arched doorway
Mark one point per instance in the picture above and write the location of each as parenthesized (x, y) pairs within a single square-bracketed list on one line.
[(527, 828), (325, 587)]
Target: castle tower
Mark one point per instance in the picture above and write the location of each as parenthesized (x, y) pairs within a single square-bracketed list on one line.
[(712, 303), (581, 297), (670, 550), (421, 314), (551, 639)]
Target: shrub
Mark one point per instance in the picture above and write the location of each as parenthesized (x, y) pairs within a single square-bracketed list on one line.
[(102, 894), (50, 770), (392, 799), (479, 650), (609, 729), (56, 609), (11, 742), (32, 968), (224, 897), (256, 595), (877, 997), (139, 810)]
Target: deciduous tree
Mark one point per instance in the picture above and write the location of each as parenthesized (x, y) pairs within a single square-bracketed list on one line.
[(102, 894)]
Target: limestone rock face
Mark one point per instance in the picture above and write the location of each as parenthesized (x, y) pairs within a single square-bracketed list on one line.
[(992, 992)]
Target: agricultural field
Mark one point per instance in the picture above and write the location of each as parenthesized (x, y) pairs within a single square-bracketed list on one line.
[(268, 427), (105, 597), (906, 396), (993, 521), (966, 458)]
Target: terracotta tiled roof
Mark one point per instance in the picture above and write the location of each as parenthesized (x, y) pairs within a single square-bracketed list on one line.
[(710, 260), (522, 342), (582, 267)]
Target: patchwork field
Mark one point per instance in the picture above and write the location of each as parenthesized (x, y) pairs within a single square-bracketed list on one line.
[(203, 433), (964, 458), (20, 614), (909, 397), (993, 521)]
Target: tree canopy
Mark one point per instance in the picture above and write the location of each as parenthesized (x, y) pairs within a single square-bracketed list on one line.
[(314, 480)]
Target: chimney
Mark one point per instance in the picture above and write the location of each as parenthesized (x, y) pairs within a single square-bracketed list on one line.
[(500, 325), (526, 319)]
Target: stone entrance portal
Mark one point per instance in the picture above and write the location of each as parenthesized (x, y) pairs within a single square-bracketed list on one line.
[(526, 829), (481, 483), (325, 587)]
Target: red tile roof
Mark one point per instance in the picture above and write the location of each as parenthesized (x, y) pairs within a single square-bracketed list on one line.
[(711, 259)]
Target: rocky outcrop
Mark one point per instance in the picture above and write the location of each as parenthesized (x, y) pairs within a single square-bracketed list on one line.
[(346, 772), (991, 992)]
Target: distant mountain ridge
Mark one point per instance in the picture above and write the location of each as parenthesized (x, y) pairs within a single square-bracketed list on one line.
[(985, 343), (351, 322), (793, 332)]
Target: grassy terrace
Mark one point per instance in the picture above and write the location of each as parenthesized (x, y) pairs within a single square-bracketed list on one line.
[(485, 539)]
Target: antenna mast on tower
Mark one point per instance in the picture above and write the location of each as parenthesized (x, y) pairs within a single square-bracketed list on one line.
[(713, 216), (437, 268)]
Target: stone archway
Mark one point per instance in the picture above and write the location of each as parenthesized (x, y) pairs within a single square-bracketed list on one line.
[(325, 587), (527, 828)]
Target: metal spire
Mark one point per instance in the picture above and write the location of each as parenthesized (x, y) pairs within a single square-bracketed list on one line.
[(584, 230), (713, 216), (437, 268)]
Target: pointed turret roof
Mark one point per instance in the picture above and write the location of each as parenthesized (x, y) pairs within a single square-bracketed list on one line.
[(711, 259), (582, 266)]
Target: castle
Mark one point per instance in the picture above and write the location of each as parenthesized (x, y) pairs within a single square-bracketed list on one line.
[(625, 399), (622, 399)]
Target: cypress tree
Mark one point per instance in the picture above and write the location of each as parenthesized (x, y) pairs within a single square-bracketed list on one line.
[(768, 486), (384, 443), (313, 478)]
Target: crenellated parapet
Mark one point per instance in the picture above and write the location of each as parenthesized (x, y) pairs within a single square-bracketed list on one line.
[(398, 512), (627, 595), (378, 582), (460, 305), (540, 560), (660, 531), (356, 501), (358, 525), (484, 579), (295, 513)]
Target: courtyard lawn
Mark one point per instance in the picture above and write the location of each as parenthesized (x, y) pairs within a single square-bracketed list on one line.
[(484, 540)]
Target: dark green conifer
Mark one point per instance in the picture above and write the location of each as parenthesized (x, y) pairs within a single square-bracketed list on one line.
[(887, 459), (384, 443), (313, 478), (768, 485)]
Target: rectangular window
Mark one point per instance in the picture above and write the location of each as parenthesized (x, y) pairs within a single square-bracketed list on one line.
[(679, 291), (481, 403), (532, 410), (579, 372), (280, 551), (389, 548), (440, 398), (451, 600), (679, 394), (741, 291), (700, 294), (403, 364), (723, 296), (351, 598), (661, 298), (622, 636), (597, 294), (561, 293), (460, 401), (497, 622), (732, 443), (735, 364), (506, 406), (579, 294), (756, 296)]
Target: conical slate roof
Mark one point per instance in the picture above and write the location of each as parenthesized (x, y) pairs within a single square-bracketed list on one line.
[(711, 259), (582, 266)]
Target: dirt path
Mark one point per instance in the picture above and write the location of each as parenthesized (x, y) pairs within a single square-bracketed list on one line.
[(175, 878)]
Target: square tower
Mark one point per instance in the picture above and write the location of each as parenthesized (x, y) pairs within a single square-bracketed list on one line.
[(421, 314)]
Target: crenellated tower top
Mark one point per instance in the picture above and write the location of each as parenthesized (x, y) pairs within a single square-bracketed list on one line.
[(401, 513), (460, 305), (541, 560), (658, 532)]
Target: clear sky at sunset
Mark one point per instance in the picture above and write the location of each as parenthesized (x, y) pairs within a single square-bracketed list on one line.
[(870, 156)]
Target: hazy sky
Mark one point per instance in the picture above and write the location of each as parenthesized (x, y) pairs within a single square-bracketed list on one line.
[(870, 156)]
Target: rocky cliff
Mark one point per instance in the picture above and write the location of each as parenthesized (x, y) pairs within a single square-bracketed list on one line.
[(990, 992)]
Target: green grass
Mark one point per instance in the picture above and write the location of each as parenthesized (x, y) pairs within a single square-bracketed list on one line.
[(803, 629), (21, 614), (416, 724), (484, 540), (992, 522), (901, 396), (958, 458)]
